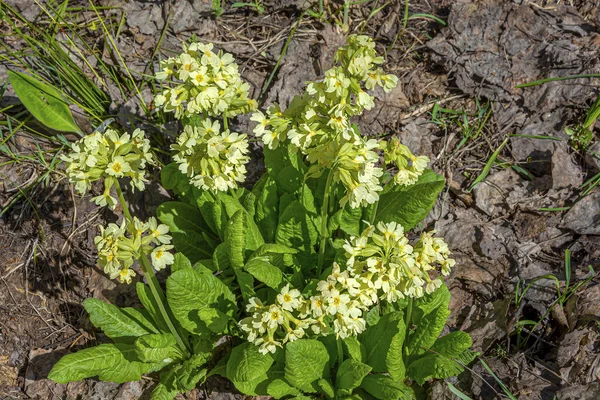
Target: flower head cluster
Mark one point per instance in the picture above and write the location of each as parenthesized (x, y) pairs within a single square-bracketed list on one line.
[(207, 83), (318, 122), (110, 156), (410, 167), (119, 245), (213, 160), (380, 265)]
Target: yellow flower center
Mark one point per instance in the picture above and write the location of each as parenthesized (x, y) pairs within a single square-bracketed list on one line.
[(187, 66), (337, 301), (117, 167), (159, 254), (275, 315), (287, 298)]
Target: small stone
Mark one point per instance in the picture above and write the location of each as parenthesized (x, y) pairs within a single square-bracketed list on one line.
[(592, 157), (565, 173), (184, 17), (584, 216), (491, 194)]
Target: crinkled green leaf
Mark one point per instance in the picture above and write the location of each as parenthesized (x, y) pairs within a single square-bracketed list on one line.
[(46, 103), (279, 388), (285, 167), (247, 364), (430, 316), (295, 229), (246, 284), (385, 388), (220, 257), (433, 366), (377, 340), (306, 361), (181, 262), (110, 362), (186, 226), (265, 272), (430, 302), (326, 387), (409, 205), (116, 322), (252, 387), (267, 210), (200, 301), (181, 378), (145, 296), (350, 374), (350, 219), (235, 239), (452, 344), (354, 348), (157, 348)]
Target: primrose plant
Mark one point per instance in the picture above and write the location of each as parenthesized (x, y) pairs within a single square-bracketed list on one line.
[(309, 275)]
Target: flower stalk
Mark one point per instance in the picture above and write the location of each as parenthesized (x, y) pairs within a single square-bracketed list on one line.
[(157, 292)]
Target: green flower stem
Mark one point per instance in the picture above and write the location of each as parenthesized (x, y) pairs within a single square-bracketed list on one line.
[(225, 124), (407, 322), (157, 292), (340, 351), (324, 214)]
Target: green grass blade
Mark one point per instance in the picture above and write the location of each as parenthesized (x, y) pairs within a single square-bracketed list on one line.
[(488, 166)]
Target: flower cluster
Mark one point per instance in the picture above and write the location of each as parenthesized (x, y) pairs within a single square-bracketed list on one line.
[(318, 122), (119, 245), (380, 265), (111, 156), (207, 83), (212, 160), (410, 167)]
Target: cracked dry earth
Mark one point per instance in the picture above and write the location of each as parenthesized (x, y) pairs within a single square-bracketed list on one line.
[(497, 232)]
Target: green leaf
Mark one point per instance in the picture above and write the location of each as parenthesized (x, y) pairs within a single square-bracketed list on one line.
[(235, 239), (409, 205), (221, 257), (157, 348), (377, 340), (427, 331), (453, 344), (267, 210), (265, 272), (350, 374), (46, 103), (246, 284), (295, 229), (430, 325), (181, 378), (350, 220), (306, 361), (285, 167), (279, 388), (433, 366), (181, 262), (354, 348), (200, 301), (116, 322), (385, 388), (186, 226), (430, 302), (372, 316), (326, 387), (252, 387), (145, 296), (247, 364), (170, 175), (110, 362)]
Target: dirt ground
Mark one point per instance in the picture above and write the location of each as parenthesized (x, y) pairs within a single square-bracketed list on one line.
[(499, 232)]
